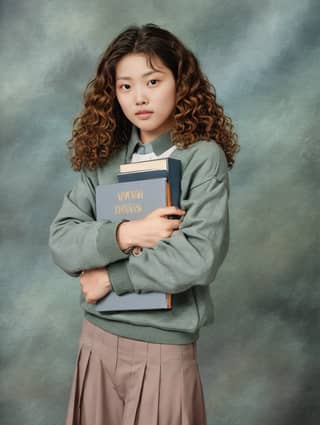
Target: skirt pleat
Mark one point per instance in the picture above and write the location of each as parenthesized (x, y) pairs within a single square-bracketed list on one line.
[(192, 400), (82, 361), (134, 394), (122, 381), (149, 396)]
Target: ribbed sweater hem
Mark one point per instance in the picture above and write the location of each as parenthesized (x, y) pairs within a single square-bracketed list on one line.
[(142, 333)]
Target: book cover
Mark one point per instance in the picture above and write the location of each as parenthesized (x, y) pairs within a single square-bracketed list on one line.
[(173, 178), (152, 168), (131, 200)]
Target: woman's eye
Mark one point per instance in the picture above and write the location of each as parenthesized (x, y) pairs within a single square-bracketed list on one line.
[(123, 85), (153, 80)]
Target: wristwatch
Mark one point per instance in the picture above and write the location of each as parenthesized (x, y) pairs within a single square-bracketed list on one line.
[(128, 250), (134, 250)]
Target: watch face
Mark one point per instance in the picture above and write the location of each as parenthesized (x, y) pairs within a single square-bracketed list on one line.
[(137, 250)]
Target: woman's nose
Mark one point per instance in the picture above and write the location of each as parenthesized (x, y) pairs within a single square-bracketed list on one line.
[(140, 96)]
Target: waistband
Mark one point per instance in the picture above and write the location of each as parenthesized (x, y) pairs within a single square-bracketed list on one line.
[(135, 350)]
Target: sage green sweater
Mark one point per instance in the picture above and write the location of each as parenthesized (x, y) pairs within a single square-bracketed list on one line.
[(184, 264)]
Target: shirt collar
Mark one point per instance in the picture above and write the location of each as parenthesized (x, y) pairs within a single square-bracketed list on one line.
[(159, 144)]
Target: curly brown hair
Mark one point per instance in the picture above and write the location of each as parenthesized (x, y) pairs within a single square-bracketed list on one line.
[(102, 129)]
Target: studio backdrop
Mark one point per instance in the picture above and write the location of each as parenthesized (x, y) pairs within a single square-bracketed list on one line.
[(259, 361)]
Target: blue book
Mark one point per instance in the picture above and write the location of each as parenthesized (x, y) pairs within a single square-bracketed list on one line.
[(132, 200), (155, 168)]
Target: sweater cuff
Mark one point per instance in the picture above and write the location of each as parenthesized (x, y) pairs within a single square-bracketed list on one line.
[(119, 278), (107, 243)]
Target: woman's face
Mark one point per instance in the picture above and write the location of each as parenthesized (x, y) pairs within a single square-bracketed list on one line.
[(139, 87)]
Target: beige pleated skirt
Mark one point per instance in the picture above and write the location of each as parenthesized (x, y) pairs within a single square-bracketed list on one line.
[(122, 381)]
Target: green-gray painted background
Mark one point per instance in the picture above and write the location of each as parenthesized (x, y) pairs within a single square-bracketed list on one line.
[(260, 360)]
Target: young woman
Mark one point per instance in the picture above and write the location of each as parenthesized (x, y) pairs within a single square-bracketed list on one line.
[(149, 97)]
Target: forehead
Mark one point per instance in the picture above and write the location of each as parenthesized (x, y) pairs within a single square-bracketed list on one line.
[(135, 64)]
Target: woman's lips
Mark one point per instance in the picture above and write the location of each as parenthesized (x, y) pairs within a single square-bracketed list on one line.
[(144, 115)]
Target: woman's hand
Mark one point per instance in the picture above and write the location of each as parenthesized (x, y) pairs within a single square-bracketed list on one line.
[(149, 230), (95, 284)]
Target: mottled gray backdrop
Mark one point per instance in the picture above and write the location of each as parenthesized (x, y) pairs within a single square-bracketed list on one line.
[(260, 360)]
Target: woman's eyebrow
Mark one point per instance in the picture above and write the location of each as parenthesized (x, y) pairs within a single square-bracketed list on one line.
[(143, 75)]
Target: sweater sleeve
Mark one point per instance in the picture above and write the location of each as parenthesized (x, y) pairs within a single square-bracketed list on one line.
[(193, 254), (76, 240)]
